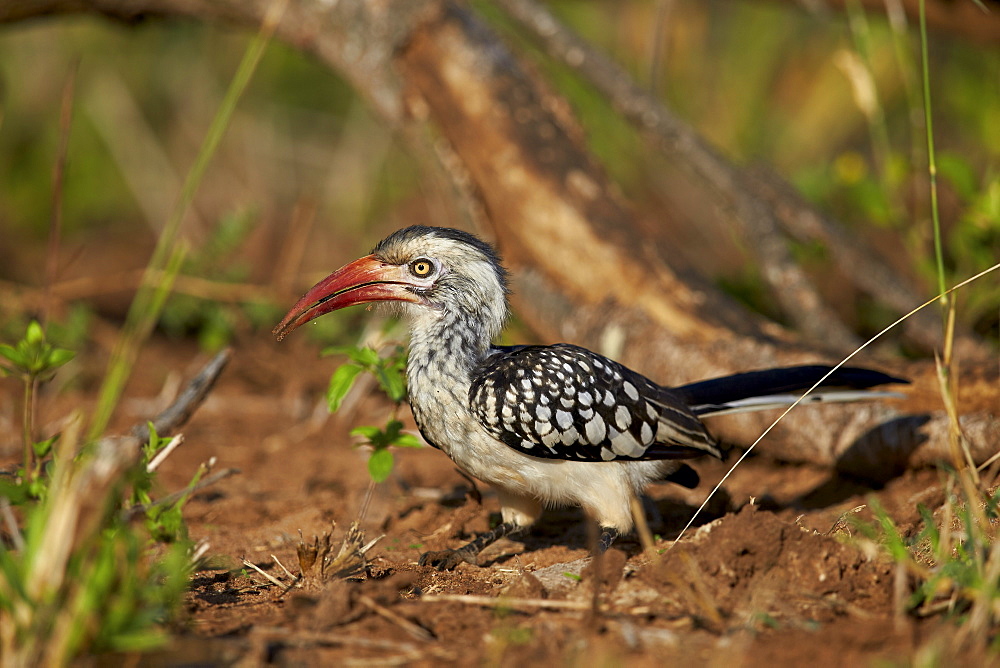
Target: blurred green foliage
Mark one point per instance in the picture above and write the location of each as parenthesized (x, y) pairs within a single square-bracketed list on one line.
[(951, 562), (765, 82), (34, 360), (212, 322), (78, 576), (33, 357), (829, 100)]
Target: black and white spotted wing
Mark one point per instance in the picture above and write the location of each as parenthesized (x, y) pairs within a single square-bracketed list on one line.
[(565, 402)]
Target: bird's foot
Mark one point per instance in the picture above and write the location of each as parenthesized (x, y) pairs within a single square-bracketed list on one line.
[(608, 536), (446, 560)]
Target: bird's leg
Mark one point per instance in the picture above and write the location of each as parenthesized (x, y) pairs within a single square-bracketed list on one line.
[(608, 536), (449, 559)]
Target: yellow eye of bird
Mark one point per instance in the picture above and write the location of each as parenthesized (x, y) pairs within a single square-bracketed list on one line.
[(421, 268)]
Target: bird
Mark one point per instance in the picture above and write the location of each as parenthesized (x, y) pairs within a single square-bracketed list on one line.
[(543, 425)]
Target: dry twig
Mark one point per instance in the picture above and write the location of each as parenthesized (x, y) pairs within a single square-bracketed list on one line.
[(179, 412), (129, 513), (273, 580), (415, 630)]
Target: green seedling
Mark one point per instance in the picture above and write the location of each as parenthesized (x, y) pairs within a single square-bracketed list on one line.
[(381, 461), (164, 521), (953, 562), (77, 575), (390, 373), (34, 360)]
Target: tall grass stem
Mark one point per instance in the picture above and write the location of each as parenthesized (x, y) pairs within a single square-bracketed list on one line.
[(168, 255), (931, 160)]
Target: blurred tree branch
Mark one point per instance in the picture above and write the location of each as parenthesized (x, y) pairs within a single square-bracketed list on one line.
[(589, 270), (960, 18), (765, 209)]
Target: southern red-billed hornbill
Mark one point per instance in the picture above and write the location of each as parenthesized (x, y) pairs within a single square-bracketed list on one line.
[(544, 425)]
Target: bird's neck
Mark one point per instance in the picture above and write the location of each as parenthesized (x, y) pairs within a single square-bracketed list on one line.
[(444, 354), (447, 348)]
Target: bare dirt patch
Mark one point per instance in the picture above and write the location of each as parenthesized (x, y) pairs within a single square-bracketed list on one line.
[(773, 581)]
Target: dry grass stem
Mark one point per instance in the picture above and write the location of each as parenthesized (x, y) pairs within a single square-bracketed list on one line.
[(162, 455), (841, 523), (207, 481), (200, 550), (414, 630), (58, 175), (287, 572), (300, 228), (642, 528), (985, 465), (273, 580), (191, 397)]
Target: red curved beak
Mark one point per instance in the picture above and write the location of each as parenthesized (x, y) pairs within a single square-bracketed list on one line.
[(365, 280)]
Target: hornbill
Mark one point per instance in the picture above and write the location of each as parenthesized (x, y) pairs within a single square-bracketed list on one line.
[(543, 425)]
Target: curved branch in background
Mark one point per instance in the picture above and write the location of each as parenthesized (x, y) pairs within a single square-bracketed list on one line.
[(858, 262), (354, 37), (800, 300), (763, 208), (187, 402), (585, 273)]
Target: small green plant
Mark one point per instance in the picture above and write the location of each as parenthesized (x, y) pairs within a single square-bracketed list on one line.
[(79, 576), (953, 563), (390, 372), (34, 360), (80, 573), (164, 519)]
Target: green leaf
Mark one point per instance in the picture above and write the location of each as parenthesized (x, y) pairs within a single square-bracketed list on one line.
[(12, 354), (393, 382), (392, 429), (380, 464), (960, 172), (407, 441), (369, 432), (12, 572), (365, 356), (341, 383), (166, 523), (43, 448), (139, 641), (391, 435), (37, 487), (59, 356), (13, 492), (34, 335)]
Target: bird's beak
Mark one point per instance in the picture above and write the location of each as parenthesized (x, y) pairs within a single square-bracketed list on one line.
[(365, 280)]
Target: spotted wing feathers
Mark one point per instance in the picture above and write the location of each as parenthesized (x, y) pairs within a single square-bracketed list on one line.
[(565, 402)]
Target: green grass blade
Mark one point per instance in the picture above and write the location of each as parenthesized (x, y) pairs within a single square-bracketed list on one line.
[(168, 255), (931, 160)]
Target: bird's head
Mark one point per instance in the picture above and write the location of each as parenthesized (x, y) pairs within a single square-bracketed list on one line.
[(433, 273)]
